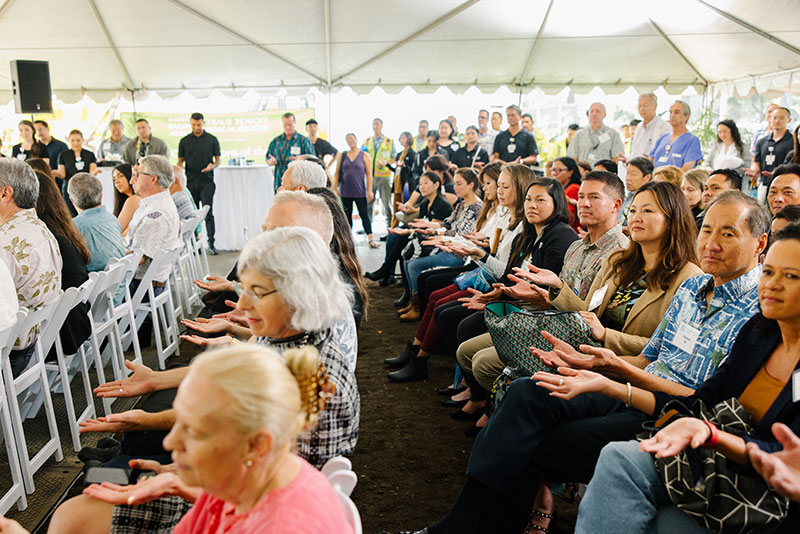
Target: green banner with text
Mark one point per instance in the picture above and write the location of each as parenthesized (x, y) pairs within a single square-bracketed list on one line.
[(240, 134)]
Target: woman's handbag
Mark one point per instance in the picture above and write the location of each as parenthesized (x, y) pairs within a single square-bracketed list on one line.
[(514, 331), (478, 278), (702, 484)]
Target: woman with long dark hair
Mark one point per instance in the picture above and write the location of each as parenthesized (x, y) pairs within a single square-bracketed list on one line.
[(729, 152), (126, 202), (75, 256), (29, 146)]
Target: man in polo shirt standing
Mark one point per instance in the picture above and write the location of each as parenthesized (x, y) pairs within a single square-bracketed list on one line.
[(681, 148), (771, 151), (485, 134), (422, 136), (200, 152), (287, 147), (515, 145), (382, 151), (596, 141)]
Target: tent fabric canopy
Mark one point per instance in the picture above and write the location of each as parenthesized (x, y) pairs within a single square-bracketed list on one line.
[(103, 47)]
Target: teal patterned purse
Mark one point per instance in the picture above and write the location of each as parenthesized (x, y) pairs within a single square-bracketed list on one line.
[(514, 331)]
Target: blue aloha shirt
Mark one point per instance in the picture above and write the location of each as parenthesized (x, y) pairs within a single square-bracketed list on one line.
[(732, 305), (281, 149)]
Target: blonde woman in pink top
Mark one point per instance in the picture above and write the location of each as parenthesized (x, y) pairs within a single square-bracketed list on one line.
[(237, 416)]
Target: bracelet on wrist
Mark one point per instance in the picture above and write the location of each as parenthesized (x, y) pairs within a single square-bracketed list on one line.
[(630, 390), (713, 439)]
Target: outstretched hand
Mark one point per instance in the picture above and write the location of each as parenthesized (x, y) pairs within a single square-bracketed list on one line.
[(115, 422), (540, 277), (676, 436), (524, 290), (208, 341), (570, 383), (145, 490), (214, 283), (781, 469), (478, 301), (138, 383)]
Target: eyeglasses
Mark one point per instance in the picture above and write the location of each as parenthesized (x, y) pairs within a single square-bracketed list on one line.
[(555, 170), (249, 293)]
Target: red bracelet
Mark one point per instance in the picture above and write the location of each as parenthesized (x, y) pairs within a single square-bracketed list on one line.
[(713, 439)]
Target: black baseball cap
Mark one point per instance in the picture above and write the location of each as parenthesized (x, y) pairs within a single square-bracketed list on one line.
[(311, 121)]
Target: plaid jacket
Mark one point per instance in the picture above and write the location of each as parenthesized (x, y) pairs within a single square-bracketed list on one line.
[(336, 432)]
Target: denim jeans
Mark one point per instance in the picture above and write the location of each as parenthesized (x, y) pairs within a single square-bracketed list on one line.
[(626, 490), (415, 267)]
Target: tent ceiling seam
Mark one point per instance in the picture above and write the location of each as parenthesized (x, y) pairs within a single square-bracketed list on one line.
[(114, 51), (5, 7), (754, 29), (326, 12), (536, 41), (447, 16), (251, 43), (677, 50)]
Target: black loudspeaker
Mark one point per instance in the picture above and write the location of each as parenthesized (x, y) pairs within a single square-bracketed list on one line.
[(30, 81)]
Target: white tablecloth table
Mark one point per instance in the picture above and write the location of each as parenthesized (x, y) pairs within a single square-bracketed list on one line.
[(241, 201)]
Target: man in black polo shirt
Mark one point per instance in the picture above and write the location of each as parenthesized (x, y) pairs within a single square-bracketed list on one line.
[(515, 145), (200, 151), (321, 146), (54, 146), (771, 151)]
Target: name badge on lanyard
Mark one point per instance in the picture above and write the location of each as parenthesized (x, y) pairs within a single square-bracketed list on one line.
[(294, 151), (770, 158), (597, 298)]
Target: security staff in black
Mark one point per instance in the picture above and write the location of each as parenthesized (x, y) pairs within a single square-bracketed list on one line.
[(200, 152)]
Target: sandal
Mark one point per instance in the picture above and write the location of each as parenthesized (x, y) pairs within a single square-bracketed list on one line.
[(373, 244), (540, 515)]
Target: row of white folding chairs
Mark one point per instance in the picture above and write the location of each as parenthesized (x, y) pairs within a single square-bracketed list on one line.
[(192, 264)]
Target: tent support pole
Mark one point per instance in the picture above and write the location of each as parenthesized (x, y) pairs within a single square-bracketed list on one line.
[(677, 51), (263, 49), (754, 29), (326, 9), (536, 42), (6, 5), (447, 16), (114, 51)]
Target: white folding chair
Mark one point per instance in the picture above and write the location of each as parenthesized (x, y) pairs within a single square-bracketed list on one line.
[(199, 248), (104, 325), (35, 375), (16, 493), (188, 266), (344, 481), (160, 309), (350, 512), (337, 463), (125, 311), (68, 365)]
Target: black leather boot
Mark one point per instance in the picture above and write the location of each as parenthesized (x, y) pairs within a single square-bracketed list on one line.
[(403, 301), (399, 362), (416, 369), (375, 276)]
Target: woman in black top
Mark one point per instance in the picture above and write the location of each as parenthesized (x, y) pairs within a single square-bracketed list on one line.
[(433, 207), (446, 140), (52, 210), (73, 161), (431, 149), (471, 154), (30, 147)]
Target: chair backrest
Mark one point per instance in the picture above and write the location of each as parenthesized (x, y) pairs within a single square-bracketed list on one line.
[(350, 512), (156, 264), (41, 316), (337, 463), (344, 481), (130, 262), (51, 327), (12, 332)]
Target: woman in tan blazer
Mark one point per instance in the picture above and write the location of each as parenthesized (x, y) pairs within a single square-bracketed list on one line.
[(634, 287)]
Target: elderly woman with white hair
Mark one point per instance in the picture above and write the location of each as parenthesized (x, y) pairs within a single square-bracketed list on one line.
[(292, 297), (237, 464)]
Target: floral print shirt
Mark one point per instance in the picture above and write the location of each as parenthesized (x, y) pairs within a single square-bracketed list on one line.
[(33, 258)]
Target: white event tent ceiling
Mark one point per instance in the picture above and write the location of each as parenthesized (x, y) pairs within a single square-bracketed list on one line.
[(105, 47)]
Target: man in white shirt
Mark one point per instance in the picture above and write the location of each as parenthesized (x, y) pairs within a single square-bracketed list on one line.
[(155, 227), (485, 134), (595, 141), (649, 130)]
